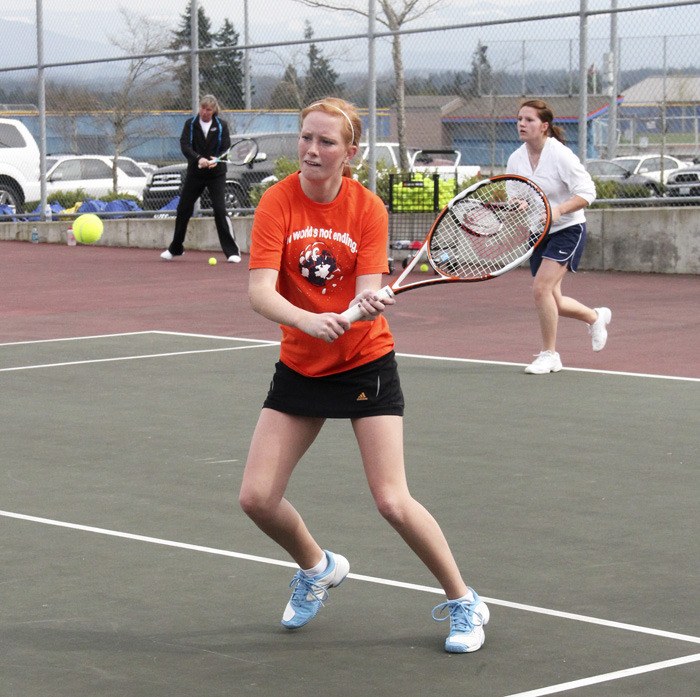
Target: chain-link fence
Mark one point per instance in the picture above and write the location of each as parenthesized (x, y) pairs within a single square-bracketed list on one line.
[(425, 74)]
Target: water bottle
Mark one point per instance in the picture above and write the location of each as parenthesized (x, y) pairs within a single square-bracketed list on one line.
[(70, 237), (35, 235), (47, 212)]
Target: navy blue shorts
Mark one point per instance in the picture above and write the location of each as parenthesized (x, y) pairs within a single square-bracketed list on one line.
[(373, 389), (564, 246)]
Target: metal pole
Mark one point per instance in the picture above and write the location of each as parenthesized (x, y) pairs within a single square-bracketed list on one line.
[(372, 97), (583, 82), (41, 87), (664, 98), (571, 67), (194, 71), (614, 63), (247, 92), (194, 55)]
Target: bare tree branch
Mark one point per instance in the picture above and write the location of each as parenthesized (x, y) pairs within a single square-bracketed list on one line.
[(394, 14)]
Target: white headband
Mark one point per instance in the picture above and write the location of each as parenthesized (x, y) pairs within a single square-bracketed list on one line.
[(337, 108)]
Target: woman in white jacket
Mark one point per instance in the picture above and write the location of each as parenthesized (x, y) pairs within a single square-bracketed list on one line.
[(545, 159)]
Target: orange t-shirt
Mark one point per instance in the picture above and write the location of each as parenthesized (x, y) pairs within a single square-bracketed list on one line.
[(319, 249)]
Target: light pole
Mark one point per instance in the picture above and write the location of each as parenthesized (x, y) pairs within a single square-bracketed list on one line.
[(246, 58)]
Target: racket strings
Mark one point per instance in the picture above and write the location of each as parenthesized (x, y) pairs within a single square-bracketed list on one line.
[(488, 230)]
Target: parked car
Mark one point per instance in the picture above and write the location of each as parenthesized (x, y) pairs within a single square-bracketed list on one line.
[(626, 182), (444, 162), (655, 166), (166, 182), (93, 174), (684, 182), (147, 167), (19, 165)]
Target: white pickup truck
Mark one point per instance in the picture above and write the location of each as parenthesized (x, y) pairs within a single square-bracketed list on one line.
[(428, 160), (19, 165)]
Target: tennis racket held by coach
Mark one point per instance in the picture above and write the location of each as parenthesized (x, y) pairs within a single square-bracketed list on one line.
[(486, 230), (242, 152)]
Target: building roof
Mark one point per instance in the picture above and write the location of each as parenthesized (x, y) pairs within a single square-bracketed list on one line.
[(505, 107), (433, 102), (681, 89)]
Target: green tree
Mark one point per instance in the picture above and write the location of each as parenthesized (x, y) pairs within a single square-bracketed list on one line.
[(182, 40), (320, 80), (287, 94), (225, 76)]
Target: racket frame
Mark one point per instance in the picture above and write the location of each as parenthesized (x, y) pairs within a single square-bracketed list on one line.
[(250, 153), (354, 313), (425, 248)]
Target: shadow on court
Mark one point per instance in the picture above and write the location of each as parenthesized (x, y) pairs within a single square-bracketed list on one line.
[(128, 569)]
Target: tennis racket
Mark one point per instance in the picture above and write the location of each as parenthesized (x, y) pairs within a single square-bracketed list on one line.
[(486, 230), (242, 152)]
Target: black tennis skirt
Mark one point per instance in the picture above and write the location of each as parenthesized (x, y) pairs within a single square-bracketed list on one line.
[(372, 389)]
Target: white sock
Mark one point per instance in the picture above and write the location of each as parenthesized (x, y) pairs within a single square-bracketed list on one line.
[(469, 597), (319, 568)]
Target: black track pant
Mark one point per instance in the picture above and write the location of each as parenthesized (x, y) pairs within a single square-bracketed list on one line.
[(191, 191)]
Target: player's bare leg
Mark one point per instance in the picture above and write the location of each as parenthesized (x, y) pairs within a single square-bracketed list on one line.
[(381, 445), (278, 443)]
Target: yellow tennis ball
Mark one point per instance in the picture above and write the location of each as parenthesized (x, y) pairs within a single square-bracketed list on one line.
[(212, 261), (87, 228), (424, 268)]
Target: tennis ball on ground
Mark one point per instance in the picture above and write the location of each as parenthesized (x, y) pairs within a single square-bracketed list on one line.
[(424, 268), (212, 261), (87, 228)]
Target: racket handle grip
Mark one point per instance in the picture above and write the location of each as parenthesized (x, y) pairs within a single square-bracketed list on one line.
[(355, 313)]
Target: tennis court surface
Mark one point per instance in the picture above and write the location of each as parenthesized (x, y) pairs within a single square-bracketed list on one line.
[(130, 391)]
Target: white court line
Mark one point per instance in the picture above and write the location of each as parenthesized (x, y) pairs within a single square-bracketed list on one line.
[(358, 577), (571, 370), (73, 338), (217, 336), (261, 343), (606, 677), (130, 358), (141, 333)]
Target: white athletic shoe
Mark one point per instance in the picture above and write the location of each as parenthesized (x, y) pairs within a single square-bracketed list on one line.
[(166, 255), (235, 259), (598, 330), (467, 621), (546, 362), (311, 592)]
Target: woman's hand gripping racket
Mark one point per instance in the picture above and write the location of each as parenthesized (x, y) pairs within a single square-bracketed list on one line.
[(242, 152), (486, 230)]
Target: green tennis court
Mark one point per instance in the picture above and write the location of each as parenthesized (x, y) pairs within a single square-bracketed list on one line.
[(128, 568)]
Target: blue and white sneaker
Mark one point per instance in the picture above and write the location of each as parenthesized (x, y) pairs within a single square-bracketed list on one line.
[(310, 592), (467, 621)]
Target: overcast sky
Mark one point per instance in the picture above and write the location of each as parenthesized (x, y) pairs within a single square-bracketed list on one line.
[(284, 20)]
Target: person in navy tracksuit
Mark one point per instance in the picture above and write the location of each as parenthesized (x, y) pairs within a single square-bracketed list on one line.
[(203, 138)]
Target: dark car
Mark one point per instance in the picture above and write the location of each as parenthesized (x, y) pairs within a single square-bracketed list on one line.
[(629, 184), (684, 182), (166, 182)]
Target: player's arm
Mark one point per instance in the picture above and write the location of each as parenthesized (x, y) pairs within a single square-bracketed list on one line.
[(571, 205), (185, 145), (579, 183), (366, 288), (268, 302)]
